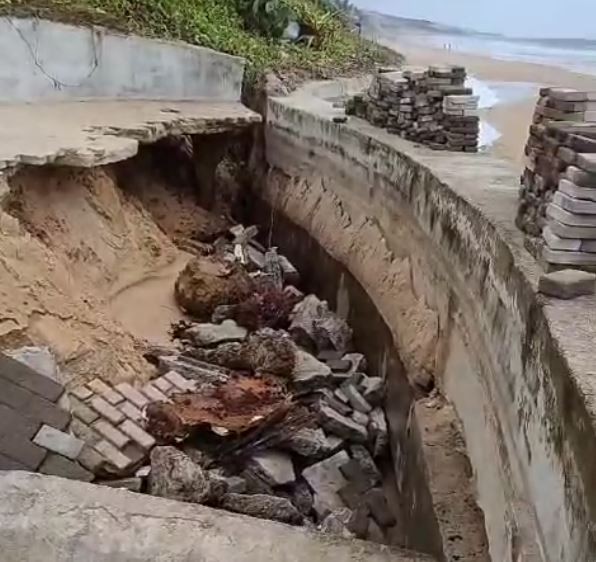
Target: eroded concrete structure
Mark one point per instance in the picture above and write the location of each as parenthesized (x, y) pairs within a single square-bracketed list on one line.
[(431, 239)]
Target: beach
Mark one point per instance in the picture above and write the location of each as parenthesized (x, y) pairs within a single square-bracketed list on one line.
[(513, 84)]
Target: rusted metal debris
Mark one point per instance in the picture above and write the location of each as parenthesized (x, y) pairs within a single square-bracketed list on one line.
[(234, 407)]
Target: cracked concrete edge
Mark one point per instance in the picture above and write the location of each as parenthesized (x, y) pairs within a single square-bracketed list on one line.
[(50, 519)]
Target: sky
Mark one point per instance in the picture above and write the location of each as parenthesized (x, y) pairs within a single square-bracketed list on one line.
[(521, 18)]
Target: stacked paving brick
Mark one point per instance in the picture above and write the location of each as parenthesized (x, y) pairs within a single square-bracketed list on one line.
[(561, 129), (430, 106)]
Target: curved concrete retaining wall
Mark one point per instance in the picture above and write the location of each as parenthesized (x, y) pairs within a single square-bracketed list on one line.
[(430, 236), (53, 61)]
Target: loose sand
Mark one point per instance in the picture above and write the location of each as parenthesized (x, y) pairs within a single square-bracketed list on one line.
[(511, 119)]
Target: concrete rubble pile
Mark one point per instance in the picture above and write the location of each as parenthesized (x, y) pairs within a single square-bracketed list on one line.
[(556, 197), (260, 406), (430, 106)]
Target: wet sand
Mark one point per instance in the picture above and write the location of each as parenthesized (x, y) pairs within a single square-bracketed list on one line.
[(511, 119)]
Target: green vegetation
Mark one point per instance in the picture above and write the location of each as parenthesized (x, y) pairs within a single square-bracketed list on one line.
[(250, 28)]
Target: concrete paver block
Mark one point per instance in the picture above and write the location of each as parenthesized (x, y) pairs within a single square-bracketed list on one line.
[(567, 284), (25, 377), (58, 442), (90, 459), (98, 386), (132, 394), (113, 455), (114, 435), (113, 397), (107, 410), (82, 392), (154, 394), (179, 381), (82, 411), (137, 434), (131, 411)]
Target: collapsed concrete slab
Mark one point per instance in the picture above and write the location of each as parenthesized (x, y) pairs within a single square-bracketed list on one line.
[(49, 519)]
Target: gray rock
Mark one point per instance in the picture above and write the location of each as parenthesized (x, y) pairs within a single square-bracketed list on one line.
[(356, 400), (311, 443), (175, 476), (309, 373), (263, 507), (326, 479), (378, 431), (223, 312), (567, 284), (339, 365), (379, 508), (375, 533), (236, 484), (205, 335), (342, 426), (341, 395), (255, 484), (364, 459), (302, 498), (372, 389), (314, 326), (336, 523), (274, 467), (329, 399)]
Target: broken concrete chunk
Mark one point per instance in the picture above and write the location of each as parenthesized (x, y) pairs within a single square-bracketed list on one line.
[(372, 388), (289, 272), (342, 426), (314, 326), (329, 399), (40, 359), (325, 479), (357, 360), (302, 497), (263, 507), (199, 371), (274, 467), (379, 508), (364, 459), (308, 442), (360, 418), (309, 373), (567, 284), (341, 396), (175, 476), (328, 355), (356, 400), (336, 523), (339, 365), (205, 335), (256, 258), (378, 431)]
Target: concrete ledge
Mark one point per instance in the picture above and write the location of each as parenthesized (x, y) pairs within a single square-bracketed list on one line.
[(431, 238), (45, 519), (45, 60), (95, 133)]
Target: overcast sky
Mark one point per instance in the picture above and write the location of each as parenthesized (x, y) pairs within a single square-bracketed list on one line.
[(524, 18)]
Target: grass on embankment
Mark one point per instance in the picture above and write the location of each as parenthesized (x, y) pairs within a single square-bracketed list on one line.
[(231, 26)]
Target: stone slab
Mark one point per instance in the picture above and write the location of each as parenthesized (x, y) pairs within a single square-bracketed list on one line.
[(572, 232), (20, 374), (587, 162), (574, 205), (579, 259), (15, 446), (579, 177), (569, 188), (58, 442), (555, 242), (567, 283), (6, 463), (134, 527), (571, 219)]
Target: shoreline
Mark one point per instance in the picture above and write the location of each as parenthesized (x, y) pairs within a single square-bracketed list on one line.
[(511, 118)]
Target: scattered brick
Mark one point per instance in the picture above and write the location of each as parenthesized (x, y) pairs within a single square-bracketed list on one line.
[(58, 442), (82, 393), (137, 434), (107, 410), (132, 394), (111, 433), (113, 455), (82, 411), (131, 411)]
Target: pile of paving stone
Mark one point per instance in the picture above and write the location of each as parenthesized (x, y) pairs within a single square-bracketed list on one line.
[(562, 129), (430, 106)]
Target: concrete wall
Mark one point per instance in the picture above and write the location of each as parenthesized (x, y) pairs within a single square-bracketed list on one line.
[(430, 236), (52, 61), (46, 519)]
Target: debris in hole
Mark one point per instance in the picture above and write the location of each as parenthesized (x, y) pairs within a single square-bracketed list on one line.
[(260, 406)]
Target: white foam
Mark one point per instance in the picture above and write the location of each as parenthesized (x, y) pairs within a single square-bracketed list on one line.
[(488, 135), (487, 97)]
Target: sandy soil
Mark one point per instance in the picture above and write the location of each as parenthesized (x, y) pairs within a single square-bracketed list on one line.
[(513, 119)]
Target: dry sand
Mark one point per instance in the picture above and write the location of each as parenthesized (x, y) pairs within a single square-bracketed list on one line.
[(511, 119)]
